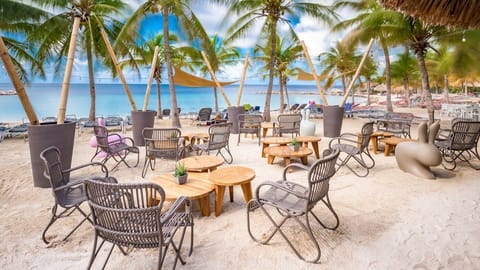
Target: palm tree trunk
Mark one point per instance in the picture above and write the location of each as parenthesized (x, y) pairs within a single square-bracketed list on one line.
[(388, 78), (284, 82), (271, 66), (68, 72), (17, 84), (445, 88), (369, 90), (215, 95), (280, 84), (159, 99), (407, 91), (426, 86), (168, 56), (91, 81)]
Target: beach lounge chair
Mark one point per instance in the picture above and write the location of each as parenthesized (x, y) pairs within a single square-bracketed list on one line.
[(301, 107), (218, 138), (162, 143), (114, 146), (294, 107), (288, 123), (354, 146), (130, 216), (18, 131), (203, 116), (460, 144), (283, 200), (249, 124), (69, 194)]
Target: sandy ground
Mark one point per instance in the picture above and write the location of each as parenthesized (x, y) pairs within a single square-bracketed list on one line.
[(388, 220)]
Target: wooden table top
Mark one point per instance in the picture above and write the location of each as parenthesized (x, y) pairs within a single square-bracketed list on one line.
[(233, 175), (197, 186), (381, 133), (201, 163), (269, 124), (286, 151), (308, 139), (396, 140), (276, 140)]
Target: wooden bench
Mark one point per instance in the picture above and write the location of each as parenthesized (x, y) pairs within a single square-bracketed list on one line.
[(391, 142)]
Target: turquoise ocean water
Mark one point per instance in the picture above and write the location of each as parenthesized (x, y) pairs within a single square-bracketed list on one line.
[(112, 100)]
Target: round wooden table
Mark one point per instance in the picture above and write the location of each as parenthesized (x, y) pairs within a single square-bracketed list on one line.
[(313, 140), (201, 163), (198, 187), (268, 125), (287, 153), (229, 177), (199, 137), (266, 141)]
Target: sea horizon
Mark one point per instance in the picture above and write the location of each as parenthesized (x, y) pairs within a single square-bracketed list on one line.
[(111, 98)]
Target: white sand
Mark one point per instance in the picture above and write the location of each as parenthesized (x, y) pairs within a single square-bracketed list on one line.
[(388, 220)]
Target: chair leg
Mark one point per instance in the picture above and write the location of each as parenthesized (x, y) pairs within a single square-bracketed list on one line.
[(64, 213), (328, 204), (238, 141)]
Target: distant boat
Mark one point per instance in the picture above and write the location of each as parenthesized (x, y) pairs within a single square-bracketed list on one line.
[(7, 92)]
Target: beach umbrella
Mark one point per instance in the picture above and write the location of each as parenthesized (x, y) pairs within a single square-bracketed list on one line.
[(440, 12)]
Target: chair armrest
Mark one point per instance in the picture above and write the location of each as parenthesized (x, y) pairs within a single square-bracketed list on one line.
[(286, 186), (183, 200), (104, 168), (297, 165), (343, 139)]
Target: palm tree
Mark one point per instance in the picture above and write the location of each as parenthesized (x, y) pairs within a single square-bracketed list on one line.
[(373, 21), (189, 24), (95, 16), (405, 70), (339, 62), (270, 13), (221, 55), (369, 71)]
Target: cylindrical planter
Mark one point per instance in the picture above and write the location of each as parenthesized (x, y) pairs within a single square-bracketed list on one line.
[(332, 121), (141, 120), (46, 135), (233, 113)]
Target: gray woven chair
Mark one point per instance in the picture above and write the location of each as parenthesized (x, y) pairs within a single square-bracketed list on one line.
[(283, 200), (250, 124), (288, 123), (218, 140), (162, 143), (116, 147), (69, 193), (130, 216), (460, 144), (355, 146)]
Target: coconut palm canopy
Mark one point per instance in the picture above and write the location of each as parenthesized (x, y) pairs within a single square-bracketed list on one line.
[(440, 12)]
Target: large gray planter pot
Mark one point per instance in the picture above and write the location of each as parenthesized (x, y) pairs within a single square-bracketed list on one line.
[(233, 113), (46, 135), (141, 120), (332, 121)]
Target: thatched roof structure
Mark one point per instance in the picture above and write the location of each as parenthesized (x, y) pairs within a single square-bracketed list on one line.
[(464, 13)]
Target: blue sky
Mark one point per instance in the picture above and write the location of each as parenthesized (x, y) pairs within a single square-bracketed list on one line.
[(317, 38)]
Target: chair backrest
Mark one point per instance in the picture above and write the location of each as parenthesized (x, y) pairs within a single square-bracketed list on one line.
[(319, 177), (101, 133), (289, 123), (365, 134), (204, 114), (464, 134), (249, 123), (166, 112), (162, 142), (53, 167), (218, 136), (127, 214)]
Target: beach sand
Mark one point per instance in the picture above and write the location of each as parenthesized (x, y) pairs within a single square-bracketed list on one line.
[(388, 220)]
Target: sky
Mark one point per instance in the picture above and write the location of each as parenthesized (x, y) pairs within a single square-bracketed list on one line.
[(317, 37)]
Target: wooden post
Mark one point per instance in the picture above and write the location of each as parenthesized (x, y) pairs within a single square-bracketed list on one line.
[(242, 80), (365, 54), (17, 84), (314, 74), (150, 79), (68, 72), (215, 79), (118, 69)]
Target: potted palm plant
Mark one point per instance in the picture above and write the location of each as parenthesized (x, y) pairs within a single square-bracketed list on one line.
[(180, 174), (294, 144)]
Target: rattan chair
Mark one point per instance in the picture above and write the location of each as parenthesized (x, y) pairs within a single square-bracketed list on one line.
[(460, 144), (162, 143), (283, 200), (130, 216), (68, 192), (288, 123), (218, 140), (250, 124), (114, 146), (355, 146)]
